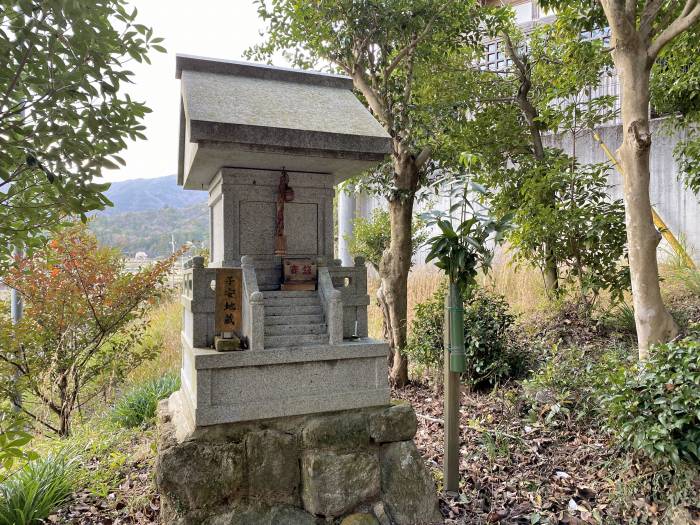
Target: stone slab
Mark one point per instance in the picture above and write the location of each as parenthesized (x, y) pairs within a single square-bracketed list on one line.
[(408, 490), (395, 423), (262, 384), (271, 473), (347, 430), (261, 71), (272, 458), (362, 348)]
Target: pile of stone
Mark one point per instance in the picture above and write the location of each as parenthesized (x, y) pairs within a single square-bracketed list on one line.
[(357, 467)]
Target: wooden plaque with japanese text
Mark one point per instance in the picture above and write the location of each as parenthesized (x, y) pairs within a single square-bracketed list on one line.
[(229, 293)]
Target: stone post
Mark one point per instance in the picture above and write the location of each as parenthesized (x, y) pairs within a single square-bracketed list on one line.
[(346, 215)]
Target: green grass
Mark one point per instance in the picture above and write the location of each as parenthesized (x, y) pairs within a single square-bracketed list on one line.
[(622, 318), (32, 493), (138, 406)]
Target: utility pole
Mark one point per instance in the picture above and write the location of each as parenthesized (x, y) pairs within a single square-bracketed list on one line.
[(172, 270), (15, 297)]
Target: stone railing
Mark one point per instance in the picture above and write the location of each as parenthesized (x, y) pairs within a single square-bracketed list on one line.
[(198, 301), (351, 283), (253, 308), (332, 305)]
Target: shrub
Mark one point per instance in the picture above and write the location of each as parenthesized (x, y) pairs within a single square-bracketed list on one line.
[(139, 405), (83, 314), (656, 409), (570, 381), (491, 350), (371, 236), (32, 493)]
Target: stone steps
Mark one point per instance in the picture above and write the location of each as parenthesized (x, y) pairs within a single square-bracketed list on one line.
[(279, 341), (272, 320), (291, 294), (295, 329), (292, 302), (293, 318), (311, 309)]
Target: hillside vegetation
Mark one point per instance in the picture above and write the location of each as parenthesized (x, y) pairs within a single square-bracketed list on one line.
[(150, 231), (146, 213)]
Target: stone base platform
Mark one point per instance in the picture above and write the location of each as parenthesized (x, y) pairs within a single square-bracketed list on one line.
[(355, 466), (228, 387)]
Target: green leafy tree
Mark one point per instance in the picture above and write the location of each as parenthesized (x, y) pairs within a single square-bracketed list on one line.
[(462, 248), (563, 220), (63, 114), (83, 315), (640, 31), (390, 50), (372, 236)]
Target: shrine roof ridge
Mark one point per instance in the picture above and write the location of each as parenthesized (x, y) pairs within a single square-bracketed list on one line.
[(261, 71)]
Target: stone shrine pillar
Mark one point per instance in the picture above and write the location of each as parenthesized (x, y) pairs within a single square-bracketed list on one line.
[(283, 415), (347, 207)]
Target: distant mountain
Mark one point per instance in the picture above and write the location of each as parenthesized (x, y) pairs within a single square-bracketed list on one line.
[(151, 194), (148, 213)]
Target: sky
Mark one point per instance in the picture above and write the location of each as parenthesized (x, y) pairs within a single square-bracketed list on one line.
[(212, 28)]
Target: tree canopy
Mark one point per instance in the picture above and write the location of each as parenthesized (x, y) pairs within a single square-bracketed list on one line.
[(63, 114)]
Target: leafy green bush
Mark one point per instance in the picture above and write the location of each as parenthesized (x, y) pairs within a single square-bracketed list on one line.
[(371, 236), (13, 441), (139, 405), (656, 410), (570, 381), (31, 494), (491, 350)]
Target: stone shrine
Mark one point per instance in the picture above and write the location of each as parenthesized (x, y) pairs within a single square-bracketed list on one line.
[(294, 424)]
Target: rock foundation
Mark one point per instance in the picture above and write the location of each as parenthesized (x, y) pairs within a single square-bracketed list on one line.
[(353, 467)]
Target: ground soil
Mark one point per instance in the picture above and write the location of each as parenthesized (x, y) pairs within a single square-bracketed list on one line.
[(512, 470)]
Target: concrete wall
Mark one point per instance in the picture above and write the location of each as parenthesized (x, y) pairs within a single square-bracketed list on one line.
[(677, 206)]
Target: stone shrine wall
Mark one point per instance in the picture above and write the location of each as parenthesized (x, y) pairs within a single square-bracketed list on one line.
[(243, 203), (297, 470)]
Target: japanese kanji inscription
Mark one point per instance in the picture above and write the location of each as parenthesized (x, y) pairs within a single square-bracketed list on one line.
[(229, 284)]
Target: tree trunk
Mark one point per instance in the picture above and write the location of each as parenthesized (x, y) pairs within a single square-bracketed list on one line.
[(529, 111), (381, 301), (64, 423), (396, 263), (654, 323)]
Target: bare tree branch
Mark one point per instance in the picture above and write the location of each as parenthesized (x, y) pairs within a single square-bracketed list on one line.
[(646, 24), (423, 156), (411, 46), (375, 103)]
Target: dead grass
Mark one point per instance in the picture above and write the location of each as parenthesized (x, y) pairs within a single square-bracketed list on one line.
[(164, 331), (423, 281), (521, 285)]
